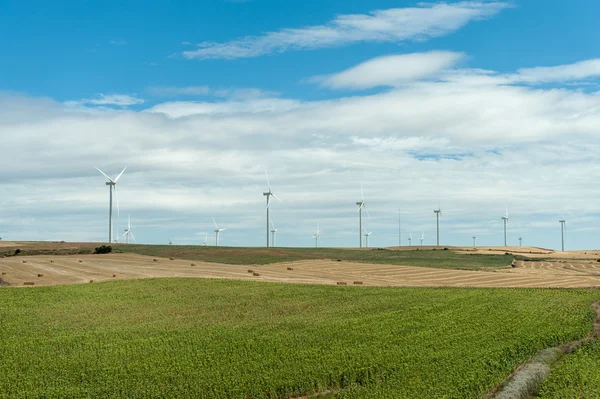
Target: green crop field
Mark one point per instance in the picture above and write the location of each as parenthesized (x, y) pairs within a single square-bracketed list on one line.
[(576, 375), (427, 258), (202, 338)]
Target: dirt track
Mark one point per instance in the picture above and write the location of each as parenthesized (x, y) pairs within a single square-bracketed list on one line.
[(68, 270)]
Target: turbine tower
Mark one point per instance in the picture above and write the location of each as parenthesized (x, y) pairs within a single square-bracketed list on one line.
[(367, 234), (438, 213), (505, 219), (217, 231), (268, 194), (205, 239), (409, 239), (563, 227), (273, 231), (520, 241), (361, 204), (474, 241), (422, 237), (111, 183), (316, 237), (128, 231)]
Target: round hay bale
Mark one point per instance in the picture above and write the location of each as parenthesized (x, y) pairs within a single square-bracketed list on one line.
[(40, 275), (4, 273), (256, 274), (154, 260), (193, 264), (358, 282), (114, 275), (80, 261), (250, 271), (91, 281), (28, 283), (290, 268), (51, 261), (171, 258), (24, 261), (342, 283)]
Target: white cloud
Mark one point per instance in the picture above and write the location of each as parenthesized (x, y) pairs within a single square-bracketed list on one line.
[(231, 93), (119, 100), (119, 42), (480, 146), (425, 21), (562, 73), (392, 70)]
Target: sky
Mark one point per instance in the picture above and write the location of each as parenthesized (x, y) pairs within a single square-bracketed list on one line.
[(476, 107)]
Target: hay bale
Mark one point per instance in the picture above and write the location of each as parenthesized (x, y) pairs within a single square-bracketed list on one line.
[(91, 281), (290, 268), (256, 274), (193, 264), (51, 261), (154, 260), (250, 271), (171, 258), (40, 275), (80, 260), (342, 283), (114, 275), (4, 273), (358, 282), (24, 261), (28, 283)]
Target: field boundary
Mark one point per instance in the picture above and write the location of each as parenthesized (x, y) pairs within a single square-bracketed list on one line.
[(527, 378)]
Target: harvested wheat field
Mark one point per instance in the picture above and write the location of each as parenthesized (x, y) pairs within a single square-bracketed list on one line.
[(45, 270)]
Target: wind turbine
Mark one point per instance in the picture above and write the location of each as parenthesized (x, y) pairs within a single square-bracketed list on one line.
[(474, 241), (273, 231), (217, 231), (520, 240), (563, 228), (409, 239), (128, 231), (438, 213), (268, 194), (505, 219), (111, 183), (361, 204), (422, 237), (316, 237), (205, 239), (367, 234)]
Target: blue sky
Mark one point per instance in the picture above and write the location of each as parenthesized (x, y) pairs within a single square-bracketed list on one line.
[(485, 104)]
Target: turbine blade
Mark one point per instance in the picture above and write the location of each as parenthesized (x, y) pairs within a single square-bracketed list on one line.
[(278, 199), (132, 236), (368, 215), (272, 224), (268, 182), (118, 177), (362, 197), (220, 230), (217, 227), (117, 198), (105, 175)]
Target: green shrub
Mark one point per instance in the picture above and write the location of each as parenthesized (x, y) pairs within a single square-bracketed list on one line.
[(103, 249)]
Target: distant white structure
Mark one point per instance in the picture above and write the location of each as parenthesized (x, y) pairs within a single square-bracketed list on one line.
[(367, 234), (112, 184), (474, 241), (128, 231), (505, 219), (217, 231), (268, 194), (316, 237), (273, 231), (563, 227)]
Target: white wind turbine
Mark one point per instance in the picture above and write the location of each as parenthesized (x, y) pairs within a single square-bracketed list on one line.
[(273, 231), (367, 234), (422, 237), (409, 239), (128, 231), (474, 241), (520, 241), (563, 229), (268, 194), (111, 183), (505, 219), (438, 213), (316, 237), (361, 204), (205, 239), (217, 231)]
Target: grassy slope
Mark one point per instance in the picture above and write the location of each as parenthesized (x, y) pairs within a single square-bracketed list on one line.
[(439, 258), (576, 376), (235, 339)]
